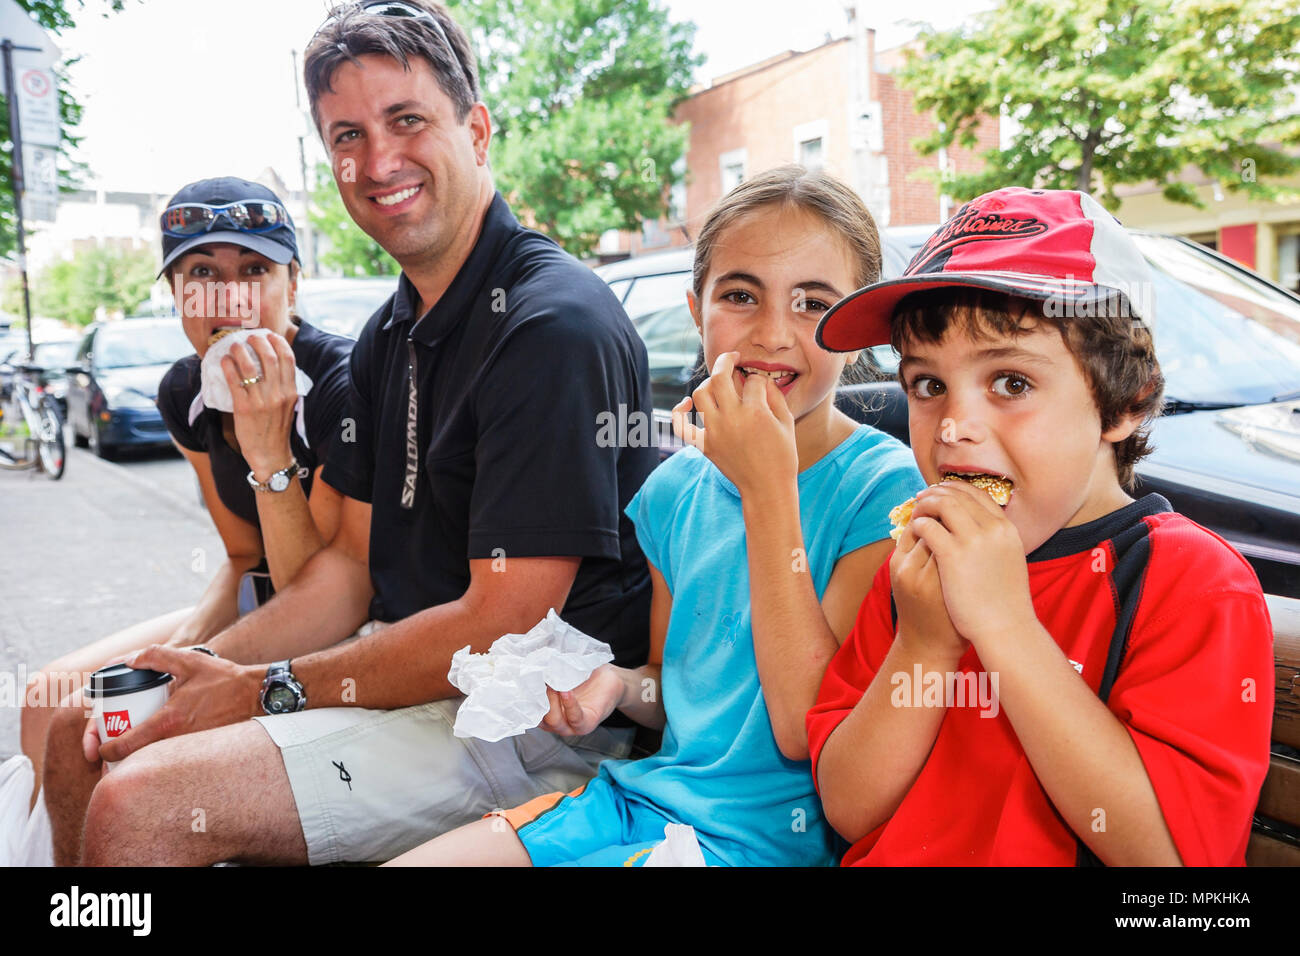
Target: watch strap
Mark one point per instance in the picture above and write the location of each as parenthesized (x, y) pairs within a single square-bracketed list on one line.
[(285, 474)]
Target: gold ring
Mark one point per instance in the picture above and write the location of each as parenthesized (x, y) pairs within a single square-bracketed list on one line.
[(250, 381)]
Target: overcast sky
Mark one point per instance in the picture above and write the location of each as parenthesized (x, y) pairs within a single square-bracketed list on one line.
[(178, 90)]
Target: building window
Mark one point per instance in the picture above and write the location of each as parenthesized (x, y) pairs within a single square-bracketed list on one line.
[(677, 196), (810, 142), (732, 166), (810, 153), (653, 234), (1288, 262), (611, 241)]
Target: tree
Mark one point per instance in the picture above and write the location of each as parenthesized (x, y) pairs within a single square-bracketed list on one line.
[(350, 249), (581, 93), (53, 15), (117, 278), (1105, 92)]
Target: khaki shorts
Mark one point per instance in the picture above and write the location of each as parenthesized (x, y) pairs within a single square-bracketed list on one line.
[(372, 784)]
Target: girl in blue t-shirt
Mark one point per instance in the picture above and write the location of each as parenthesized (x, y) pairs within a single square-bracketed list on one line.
[(762, 535)]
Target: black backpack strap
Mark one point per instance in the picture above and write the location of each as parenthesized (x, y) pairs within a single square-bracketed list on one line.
[(1130, 574)]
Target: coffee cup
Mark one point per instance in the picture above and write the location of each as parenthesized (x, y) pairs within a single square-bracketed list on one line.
[(124, 697)]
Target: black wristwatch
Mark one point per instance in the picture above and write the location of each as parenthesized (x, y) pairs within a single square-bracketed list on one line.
[(281, 691)]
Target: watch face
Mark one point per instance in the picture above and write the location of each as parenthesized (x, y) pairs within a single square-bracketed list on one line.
[(281, 700), (279, 481)]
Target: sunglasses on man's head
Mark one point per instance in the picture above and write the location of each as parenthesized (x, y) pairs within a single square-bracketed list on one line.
[(395, 8), (195, 218)]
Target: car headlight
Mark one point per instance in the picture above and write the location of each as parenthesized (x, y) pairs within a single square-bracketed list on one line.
[(127, 398)]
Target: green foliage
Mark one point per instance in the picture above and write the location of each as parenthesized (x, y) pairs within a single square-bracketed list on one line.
[(581, 93), (111, 276), (1108, 92), (350, 249), (54, 16)]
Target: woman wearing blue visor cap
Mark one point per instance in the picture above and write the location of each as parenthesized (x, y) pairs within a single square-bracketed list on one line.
[(255, 420)]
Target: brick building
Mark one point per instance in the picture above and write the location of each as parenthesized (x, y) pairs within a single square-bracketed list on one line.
[(837, 107)]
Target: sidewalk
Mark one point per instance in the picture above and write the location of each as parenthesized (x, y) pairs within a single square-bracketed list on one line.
[(84, 556)]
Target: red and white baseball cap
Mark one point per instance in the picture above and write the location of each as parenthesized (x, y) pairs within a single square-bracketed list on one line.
[(1053, 245)]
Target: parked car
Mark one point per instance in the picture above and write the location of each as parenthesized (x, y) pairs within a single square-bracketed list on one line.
[(1227, 449), (342, 306), (113, 383)]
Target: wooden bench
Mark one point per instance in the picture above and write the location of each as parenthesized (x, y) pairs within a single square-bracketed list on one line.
[(1276, 837)]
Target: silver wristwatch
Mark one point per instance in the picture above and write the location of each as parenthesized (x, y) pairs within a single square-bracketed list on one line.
[(278, 481), (281, 691)]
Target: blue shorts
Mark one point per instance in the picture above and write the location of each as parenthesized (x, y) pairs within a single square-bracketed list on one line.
[(597, 827)]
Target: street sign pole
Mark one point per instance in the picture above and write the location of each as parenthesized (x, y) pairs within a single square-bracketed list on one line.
[(15, 136)]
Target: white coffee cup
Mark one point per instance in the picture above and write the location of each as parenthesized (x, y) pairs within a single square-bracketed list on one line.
[(124, 698)]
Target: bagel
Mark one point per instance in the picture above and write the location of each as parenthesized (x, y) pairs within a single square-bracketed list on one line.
[(998, 488)]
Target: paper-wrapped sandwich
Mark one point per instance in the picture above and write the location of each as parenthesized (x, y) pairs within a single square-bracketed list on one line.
[(999, 490), (214, 389)]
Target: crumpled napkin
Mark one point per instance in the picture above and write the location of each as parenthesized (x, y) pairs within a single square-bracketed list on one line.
[(679, 848), (215, 391), (505, 689)]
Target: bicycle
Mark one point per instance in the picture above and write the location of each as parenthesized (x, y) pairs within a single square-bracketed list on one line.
[(41, 427)]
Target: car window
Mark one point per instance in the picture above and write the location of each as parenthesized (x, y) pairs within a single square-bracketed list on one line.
[(1222, 335), (671, 342), (130, 345), (655, 293), (620, 287), (54, 354), (83, 351), (343, 311)]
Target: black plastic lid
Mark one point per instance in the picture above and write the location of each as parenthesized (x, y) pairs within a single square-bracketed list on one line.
[(118, 679)]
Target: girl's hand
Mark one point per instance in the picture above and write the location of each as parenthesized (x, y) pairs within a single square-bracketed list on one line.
[(577, 712), (264, 411), (749, 436)]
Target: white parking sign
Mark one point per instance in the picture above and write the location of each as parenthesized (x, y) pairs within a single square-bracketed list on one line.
[(38, 107)]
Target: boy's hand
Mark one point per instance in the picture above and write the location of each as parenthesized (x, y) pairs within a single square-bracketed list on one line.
[(980, 558), (923, 622), (749, 436), (577, 712)]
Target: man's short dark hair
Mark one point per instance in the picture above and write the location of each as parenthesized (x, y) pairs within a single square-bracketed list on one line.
[(351, 32)]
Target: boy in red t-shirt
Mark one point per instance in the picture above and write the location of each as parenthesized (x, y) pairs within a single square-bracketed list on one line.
[(1076, 676)]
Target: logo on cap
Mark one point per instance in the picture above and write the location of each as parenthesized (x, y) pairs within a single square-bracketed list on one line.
[(972, 224), (117, 722)]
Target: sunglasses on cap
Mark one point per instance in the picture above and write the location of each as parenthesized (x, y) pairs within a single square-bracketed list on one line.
[(194, 218), (395, 8)]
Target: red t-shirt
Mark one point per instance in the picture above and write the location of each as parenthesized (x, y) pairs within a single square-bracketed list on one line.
[(1194, 688)]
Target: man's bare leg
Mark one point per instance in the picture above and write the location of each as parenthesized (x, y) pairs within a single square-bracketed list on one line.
[(69, 780), (54, 683), (194, 800), (488, 842)]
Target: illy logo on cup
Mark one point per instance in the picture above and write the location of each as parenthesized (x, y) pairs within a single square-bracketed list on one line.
[(117, 722)]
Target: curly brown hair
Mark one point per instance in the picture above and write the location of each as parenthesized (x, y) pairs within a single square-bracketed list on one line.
[(1115, 352)]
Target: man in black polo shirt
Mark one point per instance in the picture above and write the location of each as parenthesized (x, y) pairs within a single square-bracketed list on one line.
[(478, 497)]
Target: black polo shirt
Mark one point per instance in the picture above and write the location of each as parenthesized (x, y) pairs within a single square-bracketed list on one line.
[(515, 368), (324, 357)]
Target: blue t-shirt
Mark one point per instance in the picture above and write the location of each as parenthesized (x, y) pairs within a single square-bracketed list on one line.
[(719, 768)]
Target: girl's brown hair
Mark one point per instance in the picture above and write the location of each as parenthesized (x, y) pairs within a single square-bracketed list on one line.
[(824, 196)]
